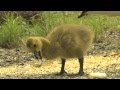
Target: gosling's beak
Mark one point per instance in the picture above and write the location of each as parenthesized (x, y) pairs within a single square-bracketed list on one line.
[(37, 55)]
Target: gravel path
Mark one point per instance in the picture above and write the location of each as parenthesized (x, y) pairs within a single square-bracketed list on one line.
[(20, 65)]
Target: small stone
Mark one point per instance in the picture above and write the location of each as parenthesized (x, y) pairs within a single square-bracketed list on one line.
[(97, 75)]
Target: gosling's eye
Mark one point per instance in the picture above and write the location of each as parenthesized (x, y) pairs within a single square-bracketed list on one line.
[(34, 45)]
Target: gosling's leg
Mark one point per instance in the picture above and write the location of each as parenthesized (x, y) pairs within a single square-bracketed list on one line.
[(81, 61), (62, 71)]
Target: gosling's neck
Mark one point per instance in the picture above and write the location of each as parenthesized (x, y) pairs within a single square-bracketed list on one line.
[(50, 50)]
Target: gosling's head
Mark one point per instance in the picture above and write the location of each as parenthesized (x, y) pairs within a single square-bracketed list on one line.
[(34, 45)]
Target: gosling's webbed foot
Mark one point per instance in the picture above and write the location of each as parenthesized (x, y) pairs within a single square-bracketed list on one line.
[(80, 73), (61, 73)]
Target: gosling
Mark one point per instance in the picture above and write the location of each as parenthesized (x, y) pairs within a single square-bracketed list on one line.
[(64, 41)]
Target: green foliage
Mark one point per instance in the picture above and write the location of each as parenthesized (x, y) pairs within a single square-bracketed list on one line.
[(98, 23), (11, 31), (15, 28)]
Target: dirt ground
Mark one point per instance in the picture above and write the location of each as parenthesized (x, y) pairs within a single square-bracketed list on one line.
[(15, 65), (103, 57)]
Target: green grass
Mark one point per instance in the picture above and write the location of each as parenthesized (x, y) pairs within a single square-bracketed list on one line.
[(10, 31), (15, 28)]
